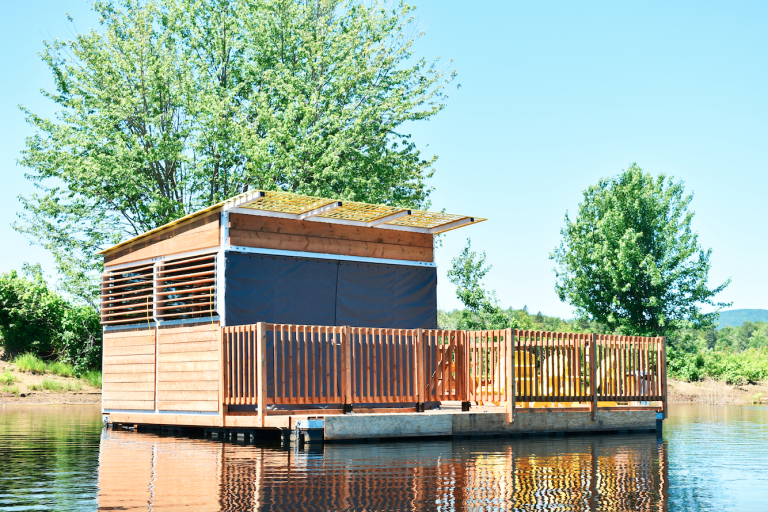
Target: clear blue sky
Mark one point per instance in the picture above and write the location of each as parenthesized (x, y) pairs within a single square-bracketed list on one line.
[(554, 96)]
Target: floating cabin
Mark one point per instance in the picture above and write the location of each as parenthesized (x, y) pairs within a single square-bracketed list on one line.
[(274, 310)]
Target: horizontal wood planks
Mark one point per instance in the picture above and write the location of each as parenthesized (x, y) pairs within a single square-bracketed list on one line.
[(320, 237), (193, 235), (188, 368), (129, 370)]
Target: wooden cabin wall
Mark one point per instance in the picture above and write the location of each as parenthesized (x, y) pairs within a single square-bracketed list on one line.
[(196, 234), (311, 236), (188, 367), (129, 369)]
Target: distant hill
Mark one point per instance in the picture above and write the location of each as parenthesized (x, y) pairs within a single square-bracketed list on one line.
[(736, 317)]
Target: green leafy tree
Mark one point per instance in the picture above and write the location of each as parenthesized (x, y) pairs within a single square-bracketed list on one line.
[(482, 310), (630, 259), (175, 105), (34, 318)]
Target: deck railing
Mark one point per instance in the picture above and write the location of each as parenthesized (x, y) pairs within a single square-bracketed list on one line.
[(294, 365)]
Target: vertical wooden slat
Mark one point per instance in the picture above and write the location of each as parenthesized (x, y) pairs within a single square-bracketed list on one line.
[(486, 395), (657, 348), (304, 367), (402, 368), (465, 357), (248, 363), (227, 365), (417, 363), (238, 365), (231, 366), (365, 351), (247, 366), (222, 371), (391, 354), (261, 386), (239, 344), (557, 363), (348, 364), (425, 369), (332, 369), (646, 369), (592, 375), (664, 375), (251, 365), (382, 365), (509, 368), (416, 341), (280, 376)]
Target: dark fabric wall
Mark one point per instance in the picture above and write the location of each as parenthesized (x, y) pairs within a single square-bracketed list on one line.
[(304, 291)]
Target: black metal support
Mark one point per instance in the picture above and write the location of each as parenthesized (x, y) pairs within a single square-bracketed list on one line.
[(347, 408), (465, 406)]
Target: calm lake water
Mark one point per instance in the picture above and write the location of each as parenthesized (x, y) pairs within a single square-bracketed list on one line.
[(710, 458)]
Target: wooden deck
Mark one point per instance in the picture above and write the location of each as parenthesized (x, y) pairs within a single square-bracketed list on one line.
[(272, 375)]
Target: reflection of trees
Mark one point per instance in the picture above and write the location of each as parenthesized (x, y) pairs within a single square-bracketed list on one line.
[(607, 473), (48, 457)]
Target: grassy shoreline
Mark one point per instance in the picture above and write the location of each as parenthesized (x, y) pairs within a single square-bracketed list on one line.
[(28, 379)]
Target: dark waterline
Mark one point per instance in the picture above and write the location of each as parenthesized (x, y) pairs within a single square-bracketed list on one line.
[(710, 458)]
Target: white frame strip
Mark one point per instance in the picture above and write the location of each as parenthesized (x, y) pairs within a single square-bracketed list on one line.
[(323, 256)]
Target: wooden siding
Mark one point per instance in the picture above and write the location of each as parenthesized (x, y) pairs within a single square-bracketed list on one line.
[(321, 237), (188, 368), (129, 370), (196, 234)]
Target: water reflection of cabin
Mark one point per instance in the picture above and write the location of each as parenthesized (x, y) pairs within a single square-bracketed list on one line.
[(337, 302)]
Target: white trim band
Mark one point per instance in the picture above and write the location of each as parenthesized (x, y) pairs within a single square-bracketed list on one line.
[(323, 256)]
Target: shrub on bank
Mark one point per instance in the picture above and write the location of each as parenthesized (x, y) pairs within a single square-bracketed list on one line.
[(35, 319), (748, 366)]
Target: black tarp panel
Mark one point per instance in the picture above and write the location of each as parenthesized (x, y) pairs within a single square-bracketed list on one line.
[(365, 297), (305, 291), (279, 290), (415, 300)]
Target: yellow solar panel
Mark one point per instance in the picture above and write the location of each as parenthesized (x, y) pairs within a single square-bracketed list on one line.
[(361, 212), (286, 202), (428, 220)]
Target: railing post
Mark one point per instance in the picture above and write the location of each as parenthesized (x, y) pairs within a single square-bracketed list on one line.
[(592, 375), (510, 375), (261, 350), (466, 398), (420, 371), (348, 370), (664, 375)]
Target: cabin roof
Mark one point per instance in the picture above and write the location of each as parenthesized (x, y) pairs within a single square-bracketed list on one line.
[(320, 209)]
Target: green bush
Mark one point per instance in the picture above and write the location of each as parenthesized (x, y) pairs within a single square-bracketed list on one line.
[(29, 362), (48, 385), (13, 390), (35, 319), (7, 378), (63, 369), (93, 378), (748, 366)]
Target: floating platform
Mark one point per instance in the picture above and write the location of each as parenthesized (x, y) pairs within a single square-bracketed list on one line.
[(448, 423)]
